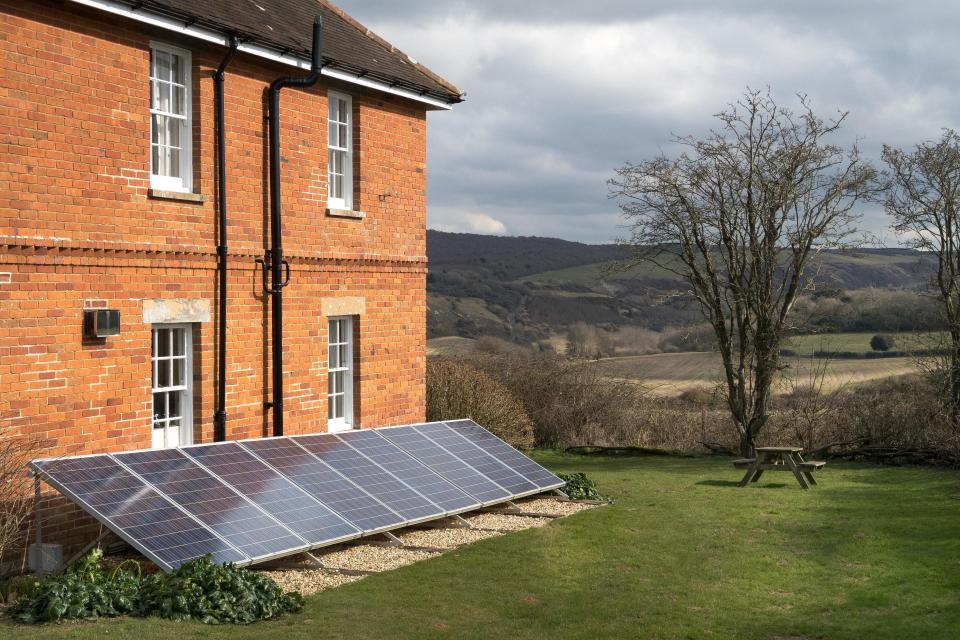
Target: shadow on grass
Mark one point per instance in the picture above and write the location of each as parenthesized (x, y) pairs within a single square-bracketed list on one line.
[(736, 483)]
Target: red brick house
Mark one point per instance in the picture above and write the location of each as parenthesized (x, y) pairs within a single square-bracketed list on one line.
[(111, 199)]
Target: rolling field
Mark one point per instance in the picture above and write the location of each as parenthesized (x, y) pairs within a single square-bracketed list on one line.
[(674, 373), (450, 346), (859, 342)]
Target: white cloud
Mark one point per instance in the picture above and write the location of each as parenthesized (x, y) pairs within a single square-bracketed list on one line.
[(460, 221)]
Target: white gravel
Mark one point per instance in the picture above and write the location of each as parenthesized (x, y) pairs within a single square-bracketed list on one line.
[(370, 557), (444, 538), (503, 522), (554, 507), (309, 581)]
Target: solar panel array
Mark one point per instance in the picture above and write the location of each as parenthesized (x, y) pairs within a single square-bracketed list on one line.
[(253, 500)]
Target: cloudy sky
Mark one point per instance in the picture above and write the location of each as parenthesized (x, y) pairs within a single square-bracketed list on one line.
[(560, 92)]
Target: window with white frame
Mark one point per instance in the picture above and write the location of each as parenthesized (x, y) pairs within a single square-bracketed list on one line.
[(172, 360), (340, 374), (171, 165), (340, 151)]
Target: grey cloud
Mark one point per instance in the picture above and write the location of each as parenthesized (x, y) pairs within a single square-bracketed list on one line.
[(559, 93)]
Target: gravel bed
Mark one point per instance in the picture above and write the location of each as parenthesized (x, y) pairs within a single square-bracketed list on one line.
[(309, 581), (502, 522), (444, 538), (554, 507), (368, 557)]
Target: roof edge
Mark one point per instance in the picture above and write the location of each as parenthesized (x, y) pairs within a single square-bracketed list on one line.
[(353, 22), (222, 37)]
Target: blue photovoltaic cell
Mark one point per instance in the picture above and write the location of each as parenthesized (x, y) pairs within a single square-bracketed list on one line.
[(370, 477), (323, 483), (137, 513), (211, 502), (408, 469), (273, 493), (506, 454), (477, 458), (452, 468), (248, 501)]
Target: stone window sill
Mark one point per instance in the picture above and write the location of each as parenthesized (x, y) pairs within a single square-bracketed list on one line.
[(346, 213), (177, 195)]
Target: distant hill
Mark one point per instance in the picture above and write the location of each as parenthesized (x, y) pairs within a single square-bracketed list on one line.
[(527, 288)]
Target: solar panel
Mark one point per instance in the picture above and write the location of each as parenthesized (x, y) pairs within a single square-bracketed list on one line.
[(515, 484), (506, 454), (275, 494), (134, 511), (209, 500), (249, 501), (325, 484), (370, 477), (447, 465), (409, 470)]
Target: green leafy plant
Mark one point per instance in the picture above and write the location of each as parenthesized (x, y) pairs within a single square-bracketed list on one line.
[(198, 590), (580, 487), (84, 592), (214, 593)]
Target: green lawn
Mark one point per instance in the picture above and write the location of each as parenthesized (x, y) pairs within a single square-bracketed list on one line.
[(683, 553)]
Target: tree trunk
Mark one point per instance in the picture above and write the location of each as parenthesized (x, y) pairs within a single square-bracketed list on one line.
[(748, 444)]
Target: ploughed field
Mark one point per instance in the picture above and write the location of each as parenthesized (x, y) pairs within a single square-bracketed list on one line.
[(682, 553), (674, 373)]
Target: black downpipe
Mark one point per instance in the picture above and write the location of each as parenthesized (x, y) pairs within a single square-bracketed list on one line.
[(280, 268), (220, 413)]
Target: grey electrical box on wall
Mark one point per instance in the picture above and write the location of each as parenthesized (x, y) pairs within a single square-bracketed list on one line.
[(100, 323)]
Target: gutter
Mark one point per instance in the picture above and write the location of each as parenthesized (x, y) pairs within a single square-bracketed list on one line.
[(223, 39), (220, 413), (280, 268)]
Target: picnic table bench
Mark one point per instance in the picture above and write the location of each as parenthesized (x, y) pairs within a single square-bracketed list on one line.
[(779, 459)]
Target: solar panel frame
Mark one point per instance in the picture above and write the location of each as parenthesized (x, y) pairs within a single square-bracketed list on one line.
[(340, 450), (493, 494), (484, 462), (38, 468), (392, 524), (193, 452), (444, 494), (238, 532), (530, 470)]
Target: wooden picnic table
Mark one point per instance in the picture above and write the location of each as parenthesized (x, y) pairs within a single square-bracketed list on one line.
[(779, 459)]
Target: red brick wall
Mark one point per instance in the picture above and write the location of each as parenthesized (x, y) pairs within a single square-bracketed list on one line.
[(77, 229)]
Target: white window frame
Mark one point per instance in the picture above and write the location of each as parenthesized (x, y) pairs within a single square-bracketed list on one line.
[(185, 389), (344, 422), (346, 202), (184, 183)]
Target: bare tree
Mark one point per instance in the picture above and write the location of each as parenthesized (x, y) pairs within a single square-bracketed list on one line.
[(15, 494), (923, 197), (811, 402), (740, 215)]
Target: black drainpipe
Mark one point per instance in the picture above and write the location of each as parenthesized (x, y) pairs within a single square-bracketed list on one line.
[(220, 414), (274, 258)]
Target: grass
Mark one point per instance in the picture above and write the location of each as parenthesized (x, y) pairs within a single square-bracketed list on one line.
[(673, 373), (682, 554)]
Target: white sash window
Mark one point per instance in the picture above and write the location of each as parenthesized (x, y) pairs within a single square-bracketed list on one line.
[(172, 361), (171, 165), (339, 151), (340, 374)]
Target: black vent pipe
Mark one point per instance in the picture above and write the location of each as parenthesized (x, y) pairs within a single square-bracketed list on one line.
[(278, 267), (220, 413)]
